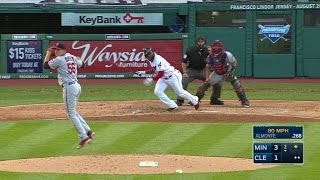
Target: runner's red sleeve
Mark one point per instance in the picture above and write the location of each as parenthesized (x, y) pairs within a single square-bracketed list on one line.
[(149, 71), (158, 76)]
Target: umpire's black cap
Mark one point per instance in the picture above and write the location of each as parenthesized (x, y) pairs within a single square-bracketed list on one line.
[(201, 38)]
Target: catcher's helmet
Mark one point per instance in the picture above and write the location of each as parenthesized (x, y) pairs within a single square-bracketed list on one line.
[(148, 53), (217, 48)]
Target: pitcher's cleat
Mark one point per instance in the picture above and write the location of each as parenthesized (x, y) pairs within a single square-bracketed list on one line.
[(91, 134), (84, 142)]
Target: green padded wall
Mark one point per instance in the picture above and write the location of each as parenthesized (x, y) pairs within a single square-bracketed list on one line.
[(275, 66)]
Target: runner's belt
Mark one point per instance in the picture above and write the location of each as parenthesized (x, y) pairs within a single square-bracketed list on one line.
[(166, 78)]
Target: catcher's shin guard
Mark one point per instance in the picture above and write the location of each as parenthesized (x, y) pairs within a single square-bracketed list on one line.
[(202, 89), (241, 94), (243, 98), (239, 90)]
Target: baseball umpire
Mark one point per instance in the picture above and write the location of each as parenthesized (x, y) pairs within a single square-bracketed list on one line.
[(193, 67)]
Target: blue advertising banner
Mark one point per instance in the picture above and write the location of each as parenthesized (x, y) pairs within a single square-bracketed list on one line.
[(24, 57)]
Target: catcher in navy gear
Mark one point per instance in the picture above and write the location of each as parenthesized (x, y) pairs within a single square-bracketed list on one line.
[(221, 65)]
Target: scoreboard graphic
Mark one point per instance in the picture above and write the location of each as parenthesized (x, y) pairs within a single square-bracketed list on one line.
[(277, 132), (276, 151)]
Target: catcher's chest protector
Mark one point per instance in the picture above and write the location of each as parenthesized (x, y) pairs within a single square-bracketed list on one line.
[(220, 66)]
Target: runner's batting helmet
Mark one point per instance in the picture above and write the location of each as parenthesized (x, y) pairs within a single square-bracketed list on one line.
[(217, 48), (148, 53)]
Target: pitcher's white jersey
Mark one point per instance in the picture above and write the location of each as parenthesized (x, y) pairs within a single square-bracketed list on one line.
[(160, 64), (66, 66)]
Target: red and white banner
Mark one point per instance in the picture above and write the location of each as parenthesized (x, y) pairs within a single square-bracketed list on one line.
[(122, 56)]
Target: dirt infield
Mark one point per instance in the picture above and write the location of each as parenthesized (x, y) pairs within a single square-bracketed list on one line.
[(129, 164), (150, 111), (260, 111)]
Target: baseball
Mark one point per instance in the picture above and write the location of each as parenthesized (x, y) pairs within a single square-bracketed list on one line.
[(179, 171)]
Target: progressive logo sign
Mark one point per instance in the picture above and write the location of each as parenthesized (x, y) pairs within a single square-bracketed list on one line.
[(274, 32)]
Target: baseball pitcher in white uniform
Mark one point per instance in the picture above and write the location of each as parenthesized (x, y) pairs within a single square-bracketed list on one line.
[(67, 65), (166, 75)]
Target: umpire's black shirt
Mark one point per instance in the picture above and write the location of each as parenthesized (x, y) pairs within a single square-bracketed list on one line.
[(195, 57)]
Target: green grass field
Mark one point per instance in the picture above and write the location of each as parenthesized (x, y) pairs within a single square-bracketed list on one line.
[(36, 138)]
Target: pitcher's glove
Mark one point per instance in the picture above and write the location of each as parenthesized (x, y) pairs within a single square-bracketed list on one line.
[(51, 53), (148, 81)]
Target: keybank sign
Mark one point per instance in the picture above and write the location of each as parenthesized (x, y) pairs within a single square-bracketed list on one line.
[(111, 19), (274, 32)]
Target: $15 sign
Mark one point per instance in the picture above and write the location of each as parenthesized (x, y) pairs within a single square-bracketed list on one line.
[(16, 53)]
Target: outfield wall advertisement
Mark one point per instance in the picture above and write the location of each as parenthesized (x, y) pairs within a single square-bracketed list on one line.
[(114, 56), (122, 56), (24, 57)]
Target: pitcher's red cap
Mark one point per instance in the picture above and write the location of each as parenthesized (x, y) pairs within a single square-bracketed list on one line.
[(58, 46)]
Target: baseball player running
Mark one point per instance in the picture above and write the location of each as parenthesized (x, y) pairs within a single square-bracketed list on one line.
[(66, 65), (223, 64), (166, 75)]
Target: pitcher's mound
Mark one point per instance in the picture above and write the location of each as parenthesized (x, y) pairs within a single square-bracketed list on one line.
[(129, 164)]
